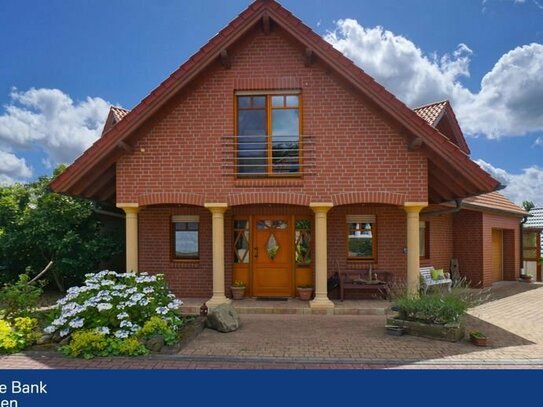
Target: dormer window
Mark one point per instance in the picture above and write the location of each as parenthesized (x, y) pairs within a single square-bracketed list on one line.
[(268, 135)]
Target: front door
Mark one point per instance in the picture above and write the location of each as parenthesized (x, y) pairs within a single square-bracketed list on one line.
[(272, 256)]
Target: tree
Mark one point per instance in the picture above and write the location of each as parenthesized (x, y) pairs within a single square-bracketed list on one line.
[(38, 226), (528, 205)]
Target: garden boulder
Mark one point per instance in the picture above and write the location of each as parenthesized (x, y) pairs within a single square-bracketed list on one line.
[(223, 318)]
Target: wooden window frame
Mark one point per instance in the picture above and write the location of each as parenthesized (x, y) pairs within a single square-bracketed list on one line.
[(373, 258), (426, 241), (269, 137), (173, 256)]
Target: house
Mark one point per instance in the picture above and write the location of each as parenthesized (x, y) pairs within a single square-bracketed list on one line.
[(532, 243), (269, 157)]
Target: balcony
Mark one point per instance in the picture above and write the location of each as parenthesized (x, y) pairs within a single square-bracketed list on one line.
[(267, 156)]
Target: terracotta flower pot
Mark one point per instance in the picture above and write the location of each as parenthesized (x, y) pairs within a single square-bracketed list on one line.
[(238, 293), (305, 293), (478, 340)]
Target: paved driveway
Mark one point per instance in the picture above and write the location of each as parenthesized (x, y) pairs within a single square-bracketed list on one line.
[(513, 321)]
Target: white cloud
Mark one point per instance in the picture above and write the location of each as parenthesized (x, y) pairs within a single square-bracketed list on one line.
[(507, 104), (538, 142), (13, 169), (527, 185), (49, 121)]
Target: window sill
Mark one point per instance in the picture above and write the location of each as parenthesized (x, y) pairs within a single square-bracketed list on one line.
[(268, 182), (185, 263)]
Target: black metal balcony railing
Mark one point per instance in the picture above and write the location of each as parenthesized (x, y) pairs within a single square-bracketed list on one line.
[(258, 156)]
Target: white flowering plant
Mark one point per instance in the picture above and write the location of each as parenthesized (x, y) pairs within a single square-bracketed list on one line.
[(116, 305)]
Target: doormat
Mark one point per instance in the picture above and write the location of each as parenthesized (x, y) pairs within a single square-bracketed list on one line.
[(272, 298)]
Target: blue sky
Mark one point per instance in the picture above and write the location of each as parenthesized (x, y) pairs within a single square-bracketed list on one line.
[(64, 62)]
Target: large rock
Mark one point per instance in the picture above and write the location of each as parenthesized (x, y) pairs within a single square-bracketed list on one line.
[(223, 318), (155, 343)]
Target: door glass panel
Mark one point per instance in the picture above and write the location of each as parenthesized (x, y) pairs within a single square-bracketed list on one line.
[(271, 224), (241, 241), (302, 242)]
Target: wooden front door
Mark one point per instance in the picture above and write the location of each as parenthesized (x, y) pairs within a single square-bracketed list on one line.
[(272, 256), (497, 255)]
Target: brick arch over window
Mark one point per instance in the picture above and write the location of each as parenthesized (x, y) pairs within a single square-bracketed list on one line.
[(286, 198), (382, 197), (183, 198)]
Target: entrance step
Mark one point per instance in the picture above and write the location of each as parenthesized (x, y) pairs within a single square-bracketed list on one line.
[(191, 306)]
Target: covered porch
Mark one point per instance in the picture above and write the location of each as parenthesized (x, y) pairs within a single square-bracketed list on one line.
[(275, 247)]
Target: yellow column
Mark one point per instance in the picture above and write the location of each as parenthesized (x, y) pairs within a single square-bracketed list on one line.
[(413, 261), (321, 300), (131, 224), (217, 212)]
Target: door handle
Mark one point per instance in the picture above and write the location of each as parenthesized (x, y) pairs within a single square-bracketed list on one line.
[(256, 252)]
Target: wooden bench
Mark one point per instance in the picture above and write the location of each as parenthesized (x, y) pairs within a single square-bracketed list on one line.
[(359, 280), (427, 281)]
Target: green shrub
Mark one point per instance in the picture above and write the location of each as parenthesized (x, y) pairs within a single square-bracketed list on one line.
[(157, 326), (432, 309), (91, 343), (18, 335), (20, 298)]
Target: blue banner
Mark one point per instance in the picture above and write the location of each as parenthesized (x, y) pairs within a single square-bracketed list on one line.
[(81, 388)]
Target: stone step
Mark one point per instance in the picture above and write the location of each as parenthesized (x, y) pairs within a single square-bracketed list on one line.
[(298, 308)]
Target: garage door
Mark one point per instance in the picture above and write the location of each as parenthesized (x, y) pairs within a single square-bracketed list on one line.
[(497, 255)]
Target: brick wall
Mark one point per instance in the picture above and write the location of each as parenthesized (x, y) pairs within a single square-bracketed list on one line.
[(468, 244), (441, 241), (358, 148), (473, 245)]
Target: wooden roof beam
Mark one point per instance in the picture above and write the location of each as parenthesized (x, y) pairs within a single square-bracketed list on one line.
[(226, 61), (309, 57), (266, 24), (125, 146)]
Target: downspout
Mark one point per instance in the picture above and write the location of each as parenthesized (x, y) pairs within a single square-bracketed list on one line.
[(521, 254), (457, 208)]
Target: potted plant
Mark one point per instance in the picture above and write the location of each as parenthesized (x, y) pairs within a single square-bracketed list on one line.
[(478, 338), (305, 292), (527, 278), (238, 290)]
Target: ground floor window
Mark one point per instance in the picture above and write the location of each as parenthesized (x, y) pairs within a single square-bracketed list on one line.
[(361, 237), (185, 237)]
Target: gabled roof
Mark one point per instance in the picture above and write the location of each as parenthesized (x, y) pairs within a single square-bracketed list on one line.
[(459, 175), (493, 201), (114, 116), (440, 115), (535, 221)]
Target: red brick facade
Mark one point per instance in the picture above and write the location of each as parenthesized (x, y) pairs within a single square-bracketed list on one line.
[(361, 161), (179, 155)]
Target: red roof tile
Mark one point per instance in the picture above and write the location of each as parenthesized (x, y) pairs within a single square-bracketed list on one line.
[(432, 112), (118, 113), (493, 200)]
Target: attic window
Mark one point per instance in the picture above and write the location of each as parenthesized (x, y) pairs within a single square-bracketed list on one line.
[(268, 135)]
